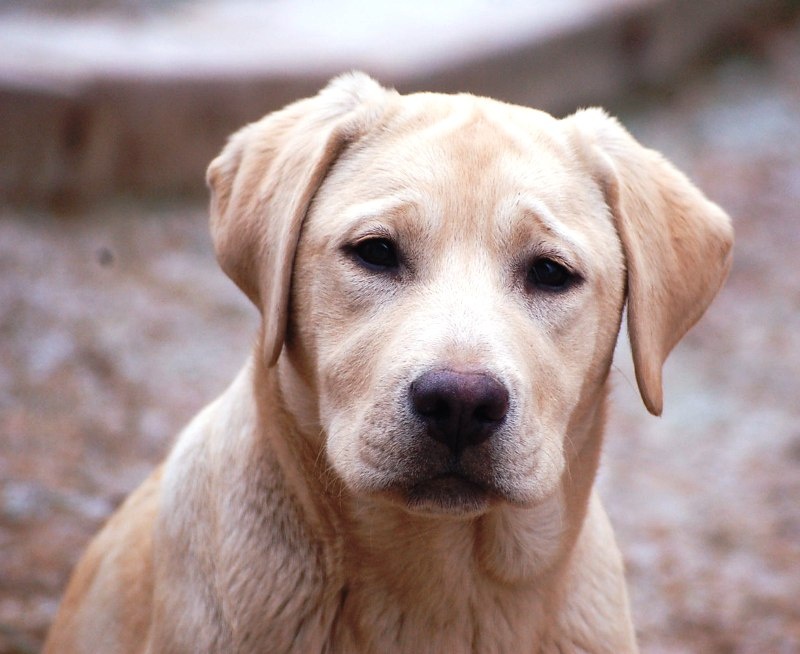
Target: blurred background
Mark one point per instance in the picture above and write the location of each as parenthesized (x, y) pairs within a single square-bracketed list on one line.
[(116, 325)]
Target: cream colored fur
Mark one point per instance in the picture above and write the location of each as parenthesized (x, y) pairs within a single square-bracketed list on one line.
[(306, 509)]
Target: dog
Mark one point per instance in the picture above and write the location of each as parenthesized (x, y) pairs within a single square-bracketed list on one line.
[(406, 461)]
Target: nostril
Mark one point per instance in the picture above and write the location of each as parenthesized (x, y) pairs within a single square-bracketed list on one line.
[(431, 405), (494, 412), (492, 405)]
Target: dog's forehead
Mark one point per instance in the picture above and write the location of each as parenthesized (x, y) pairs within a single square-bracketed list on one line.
[(434, 137), (456, 161)]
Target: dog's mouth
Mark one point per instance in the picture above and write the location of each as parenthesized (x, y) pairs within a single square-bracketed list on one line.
[(449, 493)]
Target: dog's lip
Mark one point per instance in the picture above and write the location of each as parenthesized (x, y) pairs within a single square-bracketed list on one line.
[(449, 493), (452, 478)]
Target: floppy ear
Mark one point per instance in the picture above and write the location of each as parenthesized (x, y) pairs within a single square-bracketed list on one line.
[(264, 180), (677, 243)]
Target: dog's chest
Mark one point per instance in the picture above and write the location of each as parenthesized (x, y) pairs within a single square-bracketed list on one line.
[(375, 615), (458, 618)]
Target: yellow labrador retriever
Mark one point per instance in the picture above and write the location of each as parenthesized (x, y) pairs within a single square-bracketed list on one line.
[(406, 462)]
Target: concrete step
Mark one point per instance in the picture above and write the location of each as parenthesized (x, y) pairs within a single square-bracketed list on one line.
[(137, 102)]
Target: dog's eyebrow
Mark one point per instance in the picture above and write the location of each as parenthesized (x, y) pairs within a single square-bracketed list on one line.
[(377, 208), (572, 239)]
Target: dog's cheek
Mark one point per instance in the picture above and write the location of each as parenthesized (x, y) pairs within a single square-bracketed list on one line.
[(527, 467), (342, 452), (348, 364), (369, 447), (550, 368), (351, 376)]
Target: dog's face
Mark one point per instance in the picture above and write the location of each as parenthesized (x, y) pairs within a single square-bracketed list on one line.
[(457, 269), (459, 282)]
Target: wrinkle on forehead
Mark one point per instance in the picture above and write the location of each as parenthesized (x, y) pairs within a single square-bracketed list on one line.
[(529, 212), (463, 170), (378, 208)]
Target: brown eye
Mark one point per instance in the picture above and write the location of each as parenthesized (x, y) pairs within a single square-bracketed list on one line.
[(548, 275), (377, 254)]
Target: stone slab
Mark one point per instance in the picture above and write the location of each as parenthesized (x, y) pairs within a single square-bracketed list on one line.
[(100, 104)]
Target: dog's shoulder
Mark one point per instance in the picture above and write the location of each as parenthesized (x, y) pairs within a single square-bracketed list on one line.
[(229, 527), (116, 574)]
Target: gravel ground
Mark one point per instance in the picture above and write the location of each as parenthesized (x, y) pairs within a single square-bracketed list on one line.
[(116, 326)]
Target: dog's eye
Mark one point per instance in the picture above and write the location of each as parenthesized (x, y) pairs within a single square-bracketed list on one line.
[(548, 275), (377, 254)]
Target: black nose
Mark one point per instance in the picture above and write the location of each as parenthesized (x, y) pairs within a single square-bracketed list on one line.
[(459, 408)]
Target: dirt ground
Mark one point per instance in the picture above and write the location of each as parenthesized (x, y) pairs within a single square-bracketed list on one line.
[(116, 326)]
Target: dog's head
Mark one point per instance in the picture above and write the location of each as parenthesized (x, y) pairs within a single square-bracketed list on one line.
[(442, 278)]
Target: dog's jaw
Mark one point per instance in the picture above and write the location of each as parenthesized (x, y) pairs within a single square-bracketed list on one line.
[(449, 495)]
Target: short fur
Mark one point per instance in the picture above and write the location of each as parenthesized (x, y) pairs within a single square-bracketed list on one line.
[(306, 509)]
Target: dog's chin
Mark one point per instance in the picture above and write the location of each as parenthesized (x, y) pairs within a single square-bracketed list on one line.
[(448, 495)]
